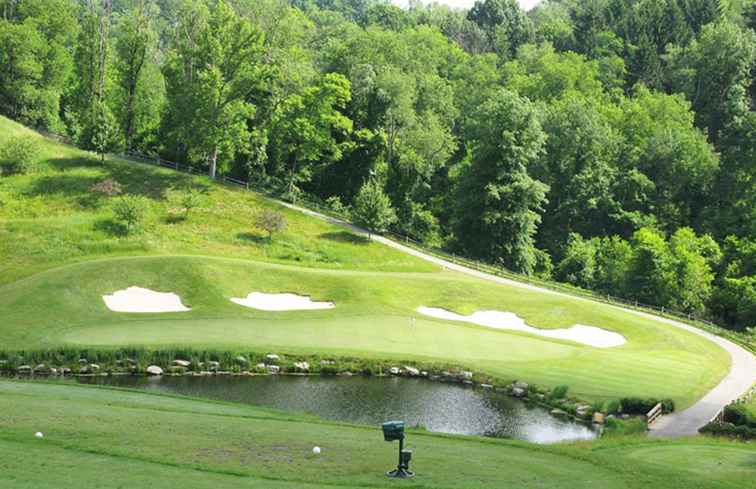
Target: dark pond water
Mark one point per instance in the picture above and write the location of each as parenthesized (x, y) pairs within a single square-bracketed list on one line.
[(440, 407)]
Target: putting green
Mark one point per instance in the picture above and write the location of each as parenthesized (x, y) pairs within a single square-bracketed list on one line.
[(374, 317)]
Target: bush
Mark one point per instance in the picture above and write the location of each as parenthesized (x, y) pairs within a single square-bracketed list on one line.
[(619, 427), (612, 407), (729, 429), (635, 405), (559, 392), (129, 211), (739, 415), (19, 155), (108, 187), (668, 405), (270, 221)]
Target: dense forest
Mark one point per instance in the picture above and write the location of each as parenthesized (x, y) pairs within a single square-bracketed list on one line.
[(610, 144)]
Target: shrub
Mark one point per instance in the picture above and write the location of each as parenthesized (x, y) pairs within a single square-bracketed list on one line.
[(612, 407), (729, 429), (559, 392), (636, 405), (129, 211), (668, 405), (334, 203), (619, 427), (108, 187), (739, 415), (19, 155), (270, 221)]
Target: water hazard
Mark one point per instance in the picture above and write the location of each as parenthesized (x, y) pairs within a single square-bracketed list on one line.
[(439, 407)]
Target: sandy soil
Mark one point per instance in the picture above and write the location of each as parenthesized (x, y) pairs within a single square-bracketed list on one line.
[(587, 335), (137, 299), (280, 302)]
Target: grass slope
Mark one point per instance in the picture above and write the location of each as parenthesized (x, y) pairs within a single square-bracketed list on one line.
[(59, 255), (105, 438), (50, 217), (372, 319)]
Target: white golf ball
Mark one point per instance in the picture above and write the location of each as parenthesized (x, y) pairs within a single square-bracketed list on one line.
[(316, 450), (39, 434)]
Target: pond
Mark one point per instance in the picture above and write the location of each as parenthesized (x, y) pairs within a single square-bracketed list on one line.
[(439, 407)]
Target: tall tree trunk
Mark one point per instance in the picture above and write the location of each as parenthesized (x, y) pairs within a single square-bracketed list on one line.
[(214, 163)]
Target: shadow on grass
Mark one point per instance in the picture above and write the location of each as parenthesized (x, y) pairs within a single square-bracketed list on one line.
[(345, 237), (111, 227), (135, 179), (253, 238)]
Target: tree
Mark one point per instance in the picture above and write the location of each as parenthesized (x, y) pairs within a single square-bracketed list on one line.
[(310, 130), (35, 41), (714, 72), (578, 266), (372, 209), (499, 203), (506, 25), (130, 210), (19, 155), (270, 221), (135, 45), (213, 68)]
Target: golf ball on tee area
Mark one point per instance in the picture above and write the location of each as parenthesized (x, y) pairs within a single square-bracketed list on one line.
[(316, 450), (39, 434)]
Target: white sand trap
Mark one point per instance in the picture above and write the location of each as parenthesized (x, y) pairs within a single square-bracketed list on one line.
[(137, 299), (587, 335), (281, 302)]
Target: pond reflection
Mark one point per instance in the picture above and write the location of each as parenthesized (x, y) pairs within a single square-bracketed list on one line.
[(440, 407)]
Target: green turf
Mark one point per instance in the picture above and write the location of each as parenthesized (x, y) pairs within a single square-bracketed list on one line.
[(50, 217), (372, 319), (104, 438), (60, 255)]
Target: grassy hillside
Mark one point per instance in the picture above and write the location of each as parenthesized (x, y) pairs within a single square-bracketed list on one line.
[(104, 438), (60, 255), (51, 217)]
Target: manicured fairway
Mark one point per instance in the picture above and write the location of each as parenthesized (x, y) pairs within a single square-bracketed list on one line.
[(60, 253), (372, 318), (103, 438)]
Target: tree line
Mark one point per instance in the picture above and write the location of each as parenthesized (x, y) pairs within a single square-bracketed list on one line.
[(610, 144)]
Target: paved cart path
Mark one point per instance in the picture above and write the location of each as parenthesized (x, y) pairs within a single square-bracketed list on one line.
[(737, 382)]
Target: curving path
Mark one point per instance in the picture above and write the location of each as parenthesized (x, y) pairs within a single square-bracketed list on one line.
[(737, 382)]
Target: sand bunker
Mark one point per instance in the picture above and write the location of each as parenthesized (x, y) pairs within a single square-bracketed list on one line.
[(587, 335), (137, 299), (281, 302)]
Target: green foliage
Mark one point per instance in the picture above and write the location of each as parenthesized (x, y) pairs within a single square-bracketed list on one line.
[(130, 211), (270, 221), (559, 392), (19, 155), (616, 427), (634, 405), (499, 203), (372, 208)]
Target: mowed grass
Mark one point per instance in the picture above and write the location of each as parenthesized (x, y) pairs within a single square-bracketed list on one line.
[(106, 438), (373, 318), (50, 217)]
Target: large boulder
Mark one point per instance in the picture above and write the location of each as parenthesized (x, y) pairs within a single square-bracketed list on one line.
[(598, 418), (182, 363), (24, 369), (274, 369), (394, 371), (522, 385), (154, 370), (519, 392), (302, 366), (411, 371), (272, 357)]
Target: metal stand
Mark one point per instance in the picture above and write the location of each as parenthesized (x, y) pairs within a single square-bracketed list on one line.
[(402, 469)]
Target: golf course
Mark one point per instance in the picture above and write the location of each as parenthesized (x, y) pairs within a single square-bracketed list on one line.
[(62, 253), (60, 259)]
